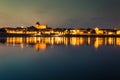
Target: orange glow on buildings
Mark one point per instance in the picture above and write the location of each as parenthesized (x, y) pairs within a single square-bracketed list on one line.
[(40, 26), (118, 32), (43, 30)]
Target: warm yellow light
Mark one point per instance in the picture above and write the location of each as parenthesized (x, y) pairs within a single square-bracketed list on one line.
[(81, 40), (96, 30), (66, 41), (89, 41), (96, 44), (110, 33), (58, 40), (73, 41), (118, 32), (118, 41), (40, 46), (73, 32), (41, 26), (22, 46), (110, 41)]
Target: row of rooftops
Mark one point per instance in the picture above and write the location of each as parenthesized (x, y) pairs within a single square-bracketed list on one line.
[(40, 28), (32, 28)]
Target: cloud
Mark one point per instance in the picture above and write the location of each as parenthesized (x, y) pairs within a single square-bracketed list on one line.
[(73, 12)]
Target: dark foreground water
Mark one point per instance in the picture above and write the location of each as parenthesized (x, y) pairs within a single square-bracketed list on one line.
[(59, 58)]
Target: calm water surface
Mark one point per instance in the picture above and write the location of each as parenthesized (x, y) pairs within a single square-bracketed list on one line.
[(59, 58)]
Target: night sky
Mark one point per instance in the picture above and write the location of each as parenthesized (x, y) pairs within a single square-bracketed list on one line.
[(61, 13)]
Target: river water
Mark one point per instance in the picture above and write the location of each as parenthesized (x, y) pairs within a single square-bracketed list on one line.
[(59, 58)]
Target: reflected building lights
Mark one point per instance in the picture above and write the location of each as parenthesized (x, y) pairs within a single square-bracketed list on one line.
[(89, 41), (81, 40), (110, 41), (118, 41), (22, 46), (96, 44), (41, 43), (73, 41), (40, 46)]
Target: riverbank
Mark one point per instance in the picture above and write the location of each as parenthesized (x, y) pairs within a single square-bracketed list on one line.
[(67, 35)]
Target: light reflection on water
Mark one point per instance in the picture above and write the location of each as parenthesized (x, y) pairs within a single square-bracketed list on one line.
[(41, 43), (75, 59)]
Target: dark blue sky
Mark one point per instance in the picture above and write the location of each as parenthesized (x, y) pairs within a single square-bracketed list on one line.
[(57, 13)]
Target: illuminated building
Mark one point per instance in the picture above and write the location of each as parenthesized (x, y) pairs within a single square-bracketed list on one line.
[(43, 30), (118, 32), (98, 31), (40, 26)]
